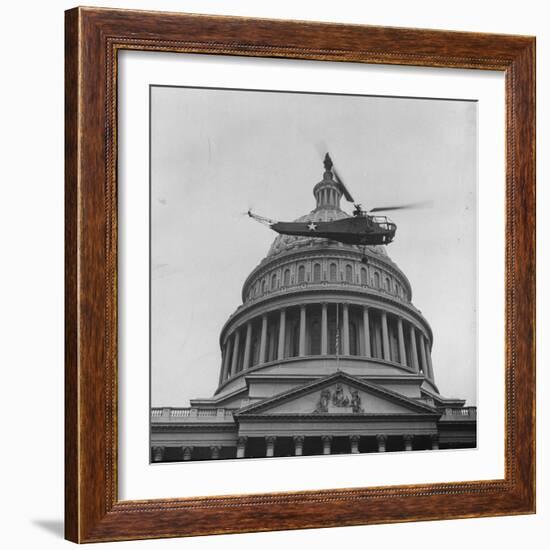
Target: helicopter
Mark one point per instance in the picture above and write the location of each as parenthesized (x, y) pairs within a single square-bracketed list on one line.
[(364, 228)]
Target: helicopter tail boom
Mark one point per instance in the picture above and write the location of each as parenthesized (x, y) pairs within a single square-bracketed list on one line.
[(265, 221)]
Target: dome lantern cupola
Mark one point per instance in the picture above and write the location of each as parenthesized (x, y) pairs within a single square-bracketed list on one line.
[(328, 191)]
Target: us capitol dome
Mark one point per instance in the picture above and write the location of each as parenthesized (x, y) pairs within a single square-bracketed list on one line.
[(326, 355)]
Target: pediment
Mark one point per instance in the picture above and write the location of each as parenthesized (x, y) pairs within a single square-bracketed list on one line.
[(338, 394)]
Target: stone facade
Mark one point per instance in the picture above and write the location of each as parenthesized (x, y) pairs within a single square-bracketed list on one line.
[(327, 354)]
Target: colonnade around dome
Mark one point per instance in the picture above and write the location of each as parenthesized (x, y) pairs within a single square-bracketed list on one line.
[(326, 329)]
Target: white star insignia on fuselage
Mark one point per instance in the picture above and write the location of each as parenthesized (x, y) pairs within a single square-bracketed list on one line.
[(312, 226)]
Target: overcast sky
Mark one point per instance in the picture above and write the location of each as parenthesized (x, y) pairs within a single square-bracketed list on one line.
[(215, 153)]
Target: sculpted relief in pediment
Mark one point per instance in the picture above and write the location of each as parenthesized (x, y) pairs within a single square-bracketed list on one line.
[(339, 400)]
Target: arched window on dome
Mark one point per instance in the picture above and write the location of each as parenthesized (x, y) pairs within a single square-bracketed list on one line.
[(349, 273), (264, 286), (316, 273), (286, 278), (376, 280), (364, 278), (274, 281), (387, 284), (257, 289), (333, 272), (301, 274)]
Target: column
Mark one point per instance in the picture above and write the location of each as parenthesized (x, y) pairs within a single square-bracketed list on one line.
[(225, 355), (215, 452), (246, 360), (401, 340), (414, 353), (366, 332), (423, 361), (354, 441), (282, 330), (158, 453), (381, 440), (270, 445), (324, 329), (187, 452), (327, 440), (263, 339), (408, 441), (302, 348), (345, 330), (298, 444), (235, 352), (429, 360), (435, 441), (385, 337), (229, 352), (241, 446)]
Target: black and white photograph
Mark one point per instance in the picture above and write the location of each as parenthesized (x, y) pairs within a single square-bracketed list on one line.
[(312, 273)]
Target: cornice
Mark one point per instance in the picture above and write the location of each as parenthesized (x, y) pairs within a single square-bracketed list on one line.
[(357, 417), (187, 426)]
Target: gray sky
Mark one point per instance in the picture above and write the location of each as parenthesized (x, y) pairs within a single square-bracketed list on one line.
[(215, 153)]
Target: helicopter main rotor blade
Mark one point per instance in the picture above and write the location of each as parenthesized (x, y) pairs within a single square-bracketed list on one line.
[(345, 191), (410, 206), (322, 149)]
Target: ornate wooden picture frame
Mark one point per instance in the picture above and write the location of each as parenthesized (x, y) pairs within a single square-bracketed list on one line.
[(94, 37)]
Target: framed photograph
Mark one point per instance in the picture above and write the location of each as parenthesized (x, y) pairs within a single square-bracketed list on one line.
[(300, 275)]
